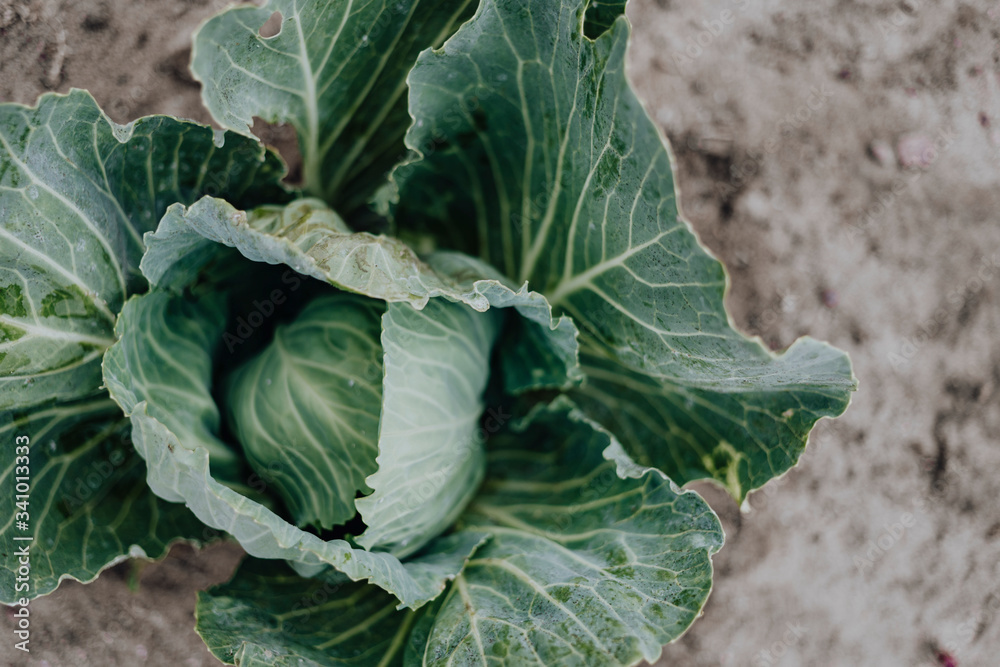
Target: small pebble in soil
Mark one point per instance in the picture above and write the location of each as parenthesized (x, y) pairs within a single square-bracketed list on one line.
[(881, 152), (830, 298), (946, 659)]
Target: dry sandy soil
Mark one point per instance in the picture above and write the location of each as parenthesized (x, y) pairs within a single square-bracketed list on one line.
[(842, 158)]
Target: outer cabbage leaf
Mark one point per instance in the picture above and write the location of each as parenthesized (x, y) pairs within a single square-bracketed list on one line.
[(88, 505), (178, 457), (306, 409), (336, 72), (305, 235), (268, 615), (313, 240), (583, 567), (173, 375), (77, 191), (740, 431), (559, 178), (430, 445)]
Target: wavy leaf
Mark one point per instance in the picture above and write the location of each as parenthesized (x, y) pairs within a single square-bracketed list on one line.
[(583, 567), (306, 409), (336, 72), (178, 458), (77, 191), (540, 349), (430, 445), (305, 235), (88, 506), (313, 240), (164, 358), (740, 430), (268, 615), (566, 183)]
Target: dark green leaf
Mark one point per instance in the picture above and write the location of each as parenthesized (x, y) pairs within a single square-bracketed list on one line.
[(77, 192), (88, 506), (583, 568), (268, 615), (336, 72), (546, 165)]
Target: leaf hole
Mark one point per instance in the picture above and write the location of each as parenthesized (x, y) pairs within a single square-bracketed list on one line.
[(272, 26), (282, 138)]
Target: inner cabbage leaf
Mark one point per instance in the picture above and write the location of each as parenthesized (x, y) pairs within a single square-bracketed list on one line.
[(306, 408), (431, 457), (178, 457)]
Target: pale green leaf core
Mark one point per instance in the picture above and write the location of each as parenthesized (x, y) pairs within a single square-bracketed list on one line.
[(437, 361), (431, 459), (181, 447), (306, 409)]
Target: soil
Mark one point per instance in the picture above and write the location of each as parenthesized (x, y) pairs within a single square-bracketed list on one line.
[(842, 158)]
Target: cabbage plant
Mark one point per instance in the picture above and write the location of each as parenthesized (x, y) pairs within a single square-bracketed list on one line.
[(445, 392)]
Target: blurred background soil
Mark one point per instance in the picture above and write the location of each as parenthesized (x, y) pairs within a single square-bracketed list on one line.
[(842, 158)]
